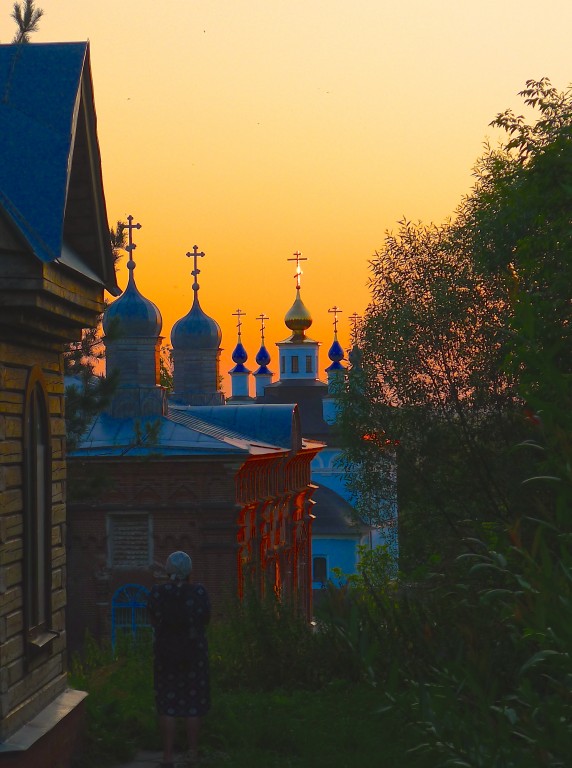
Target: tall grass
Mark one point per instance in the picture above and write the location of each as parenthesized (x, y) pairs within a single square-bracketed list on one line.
[(285, 693)]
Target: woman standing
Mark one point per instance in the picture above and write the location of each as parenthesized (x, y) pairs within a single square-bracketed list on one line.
[(180, 612)]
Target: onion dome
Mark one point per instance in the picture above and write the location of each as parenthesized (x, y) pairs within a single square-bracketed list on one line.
[(298, 318), (132, 315), (196, 330), (336, 354), (263, 356), (239, 356)]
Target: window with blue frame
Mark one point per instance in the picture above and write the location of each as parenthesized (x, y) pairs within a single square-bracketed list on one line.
[(129, 616)]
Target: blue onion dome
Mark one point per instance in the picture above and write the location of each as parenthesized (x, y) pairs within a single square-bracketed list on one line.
[(240, 354), (336, 353), (132, 315), (263, 356), (298, 318), (196, 330)]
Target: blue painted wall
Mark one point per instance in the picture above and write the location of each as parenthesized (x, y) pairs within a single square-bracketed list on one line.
[(339, 553)]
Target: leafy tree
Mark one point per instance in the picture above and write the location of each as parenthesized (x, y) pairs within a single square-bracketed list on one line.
[(430, 404), (480, 667), (518, 222), (27, 19)]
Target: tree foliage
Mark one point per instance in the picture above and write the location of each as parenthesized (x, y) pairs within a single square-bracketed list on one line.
[(431, 396), (27, 19), (480, 669), (518, 220)]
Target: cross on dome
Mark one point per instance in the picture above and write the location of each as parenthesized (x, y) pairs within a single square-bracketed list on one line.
[(196, 271), (262, 317), (298, 258), (130, 247), (239, 313), (335, 311)]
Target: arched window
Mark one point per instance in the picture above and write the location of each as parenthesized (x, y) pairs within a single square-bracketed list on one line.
[(129, 612), (37, 512)]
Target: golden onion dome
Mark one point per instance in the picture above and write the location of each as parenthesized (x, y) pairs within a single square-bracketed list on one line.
[(298, 318)]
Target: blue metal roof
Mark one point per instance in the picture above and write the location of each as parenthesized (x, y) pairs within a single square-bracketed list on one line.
[(179, 434), (196, 330), (109, 436), (267, 424), (40, 91), (132, 314)]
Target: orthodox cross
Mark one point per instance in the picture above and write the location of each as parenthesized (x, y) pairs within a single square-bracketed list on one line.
[(262, 317), (335, 311), (298, 258), (239, 313), (354, 321), (196, 271), (130, 247)]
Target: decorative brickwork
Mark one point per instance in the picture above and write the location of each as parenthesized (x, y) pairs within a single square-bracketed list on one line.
[(242, 526)]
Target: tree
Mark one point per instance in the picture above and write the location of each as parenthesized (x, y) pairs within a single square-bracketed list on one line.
[(518, 222), (432, 397), (27, 19), (481, 674)]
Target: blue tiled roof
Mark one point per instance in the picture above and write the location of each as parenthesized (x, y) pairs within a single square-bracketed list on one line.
[(39, 96)]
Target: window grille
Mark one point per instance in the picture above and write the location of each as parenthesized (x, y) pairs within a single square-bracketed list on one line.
[(129, 616), (129, 541)]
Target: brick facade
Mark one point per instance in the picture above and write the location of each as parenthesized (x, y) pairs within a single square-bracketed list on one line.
[(199, 505)]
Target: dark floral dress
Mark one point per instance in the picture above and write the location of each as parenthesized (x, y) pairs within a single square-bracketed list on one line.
[(179, 613)]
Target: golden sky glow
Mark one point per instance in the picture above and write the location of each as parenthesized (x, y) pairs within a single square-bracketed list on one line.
[(255, 128)]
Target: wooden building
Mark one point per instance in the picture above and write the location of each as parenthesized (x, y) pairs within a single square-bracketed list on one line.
[(55, 261)]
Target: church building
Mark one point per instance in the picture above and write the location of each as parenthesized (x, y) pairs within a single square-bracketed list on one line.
[(228, 483), (337, 532)]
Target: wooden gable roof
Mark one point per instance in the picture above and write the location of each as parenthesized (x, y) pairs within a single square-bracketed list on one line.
[(51, 186)]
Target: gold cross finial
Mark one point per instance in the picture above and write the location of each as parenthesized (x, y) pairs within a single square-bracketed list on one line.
[(298, 258), (196, 271)]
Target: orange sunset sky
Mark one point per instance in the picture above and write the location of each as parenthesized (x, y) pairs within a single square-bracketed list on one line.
[(254, 128)]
